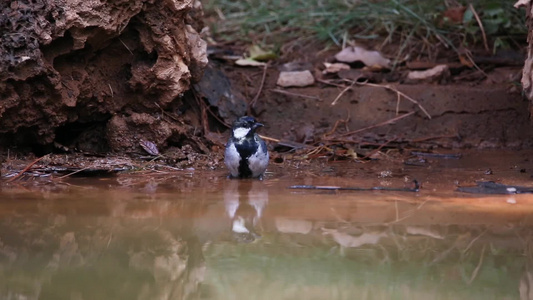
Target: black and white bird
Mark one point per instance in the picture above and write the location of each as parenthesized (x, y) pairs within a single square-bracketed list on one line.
[(246, 153)]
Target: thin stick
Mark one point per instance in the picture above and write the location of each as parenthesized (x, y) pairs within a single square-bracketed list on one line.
[(390, 121), (450, 136), (471, 59), (391, 88), (111, 89), (217, 118), (125, 46), (376, 150), (342, 93), (397, 212), (473, 241), (478, 267), (266, 138), (471, 7), (252, 103), (167, 114), (294, 94), (26, 168), (337, 125), (70, 174), (415, 188), (329, 83), (398, 99)]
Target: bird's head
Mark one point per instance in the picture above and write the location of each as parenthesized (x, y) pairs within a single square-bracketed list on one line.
[(245, 127)]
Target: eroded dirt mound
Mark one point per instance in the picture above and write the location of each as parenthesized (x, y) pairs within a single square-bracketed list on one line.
[(69, 67)]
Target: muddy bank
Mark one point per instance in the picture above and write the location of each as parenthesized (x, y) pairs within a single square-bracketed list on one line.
[(95, 76), (92, 79)]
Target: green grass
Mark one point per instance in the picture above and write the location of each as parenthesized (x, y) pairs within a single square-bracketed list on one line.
[(408, 24)]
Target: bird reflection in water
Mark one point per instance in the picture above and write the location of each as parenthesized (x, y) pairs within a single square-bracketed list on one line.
[(245, 201)]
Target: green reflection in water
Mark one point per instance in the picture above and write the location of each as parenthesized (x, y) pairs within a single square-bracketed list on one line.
[(377, 272)]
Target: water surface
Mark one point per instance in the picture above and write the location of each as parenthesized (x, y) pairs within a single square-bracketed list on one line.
[(198, 235)]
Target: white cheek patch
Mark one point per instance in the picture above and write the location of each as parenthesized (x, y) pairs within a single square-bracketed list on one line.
[(239, 133)]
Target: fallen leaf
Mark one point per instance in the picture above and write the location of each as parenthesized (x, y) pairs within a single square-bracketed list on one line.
[(257, 53), (356, 53), (149, 147), (296, 78), (455, 14), (465, 61), (247, 62)]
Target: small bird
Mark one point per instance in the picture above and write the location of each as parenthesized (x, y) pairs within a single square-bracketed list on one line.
[(246, 153)]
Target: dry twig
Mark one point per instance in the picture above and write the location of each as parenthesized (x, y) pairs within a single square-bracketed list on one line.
[(390, 121), (342, 93), (266, 138), (294, 94), (337, 124), (388, 87), (478, 20), (26, 168), (478, 267), (391, 88), (254, 100), (377, 149), (126, 46), (72, 173)]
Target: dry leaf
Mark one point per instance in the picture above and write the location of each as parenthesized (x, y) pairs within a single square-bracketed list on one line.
[(257, 53), (369, 58), (455, 14), (149, 147), (247, 62), (465, 61)]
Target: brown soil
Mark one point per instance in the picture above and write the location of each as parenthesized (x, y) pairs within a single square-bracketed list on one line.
[(92, 76), (466, 108), (94, 85)]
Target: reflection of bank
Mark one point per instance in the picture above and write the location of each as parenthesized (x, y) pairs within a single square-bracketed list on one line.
[(120, 250), (244, 201)]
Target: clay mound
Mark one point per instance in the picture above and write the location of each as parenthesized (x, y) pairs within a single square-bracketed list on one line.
[(68, 67)]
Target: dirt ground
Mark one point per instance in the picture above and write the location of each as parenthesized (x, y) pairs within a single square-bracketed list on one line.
[(301, 123), (74, 103), (477, 114)]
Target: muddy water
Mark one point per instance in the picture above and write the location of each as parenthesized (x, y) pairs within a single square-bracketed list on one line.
[(194, 235)]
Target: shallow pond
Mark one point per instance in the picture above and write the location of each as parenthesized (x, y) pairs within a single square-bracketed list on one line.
[(198, 235)]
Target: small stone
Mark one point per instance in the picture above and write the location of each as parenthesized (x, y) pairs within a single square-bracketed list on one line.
[(295, 78)]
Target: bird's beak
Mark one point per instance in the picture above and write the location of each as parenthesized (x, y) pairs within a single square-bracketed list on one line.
[(257, 125)]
